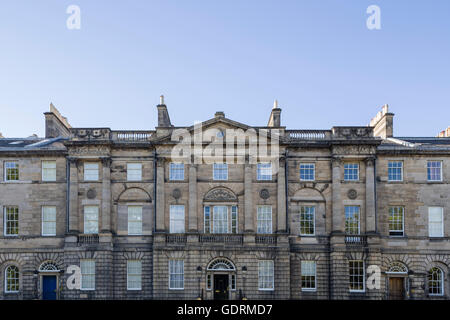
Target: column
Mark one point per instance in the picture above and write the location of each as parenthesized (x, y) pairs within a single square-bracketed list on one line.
[(370, 195), (106, 195), (160, 199), (73, 196), (338, 218), (281, 196), (248, 194), (192, 222)]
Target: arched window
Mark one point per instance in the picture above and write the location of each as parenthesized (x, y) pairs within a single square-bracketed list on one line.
[(12, 279), (435, 282), (48, 266), (398, 267), (221, 264)]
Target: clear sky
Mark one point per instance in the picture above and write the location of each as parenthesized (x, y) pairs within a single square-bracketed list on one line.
[(317, 57)]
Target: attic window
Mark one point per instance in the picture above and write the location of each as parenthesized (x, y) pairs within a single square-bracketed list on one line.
[(220, 134)]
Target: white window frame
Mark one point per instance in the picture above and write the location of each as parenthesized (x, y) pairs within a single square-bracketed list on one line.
[(358, 168), (85, 274), (207, 227), (264, 173), (5, 221), (262, 221), (176, 171), (442, 283), (272, 275), (215, 219), (134, 171), (90, 173), (174, 273), (44, 221), (313, 170), (135, 222), (441, 171), (363, 277), (217, 171), (403, 221), (359, 220), (313, 221), (401, 170), (442, 222), (129, 275), (307, 275), (6, 171), (85, 219), (17, 279), (174, 221), (46, 168)]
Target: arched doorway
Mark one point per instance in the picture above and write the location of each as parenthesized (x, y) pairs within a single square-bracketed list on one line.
[(221, 278), (397, 277), (49, 278)]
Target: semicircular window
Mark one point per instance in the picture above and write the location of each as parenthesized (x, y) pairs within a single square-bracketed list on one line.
[(48, 267), (221, 265)]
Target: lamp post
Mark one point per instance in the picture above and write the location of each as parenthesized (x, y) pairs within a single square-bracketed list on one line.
[(244, 272), (199, 275)]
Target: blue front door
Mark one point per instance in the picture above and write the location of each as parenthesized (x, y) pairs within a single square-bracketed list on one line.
[(49, 287)]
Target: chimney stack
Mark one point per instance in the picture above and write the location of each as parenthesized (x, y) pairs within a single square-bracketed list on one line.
[(163, 114), (275, 116), (442, 134), (55, 124), (383, 123)]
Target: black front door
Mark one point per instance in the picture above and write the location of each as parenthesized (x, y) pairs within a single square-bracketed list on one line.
[(220, 287)]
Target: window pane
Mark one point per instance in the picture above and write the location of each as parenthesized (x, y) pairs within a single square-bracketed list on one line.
[(307, 171), (91, 171), (48, 221), (356, 271), (435, 223), (207, 219), (265, 275), (352, 220), (48, 170), (307, 220), (11, 171), (264, 219), (308, 269), (351, 171), (395, 171), (264, 171), (90, 219), (11, 221), (12, 279), (134, 220), (176, 171), (396, 222), (176, 274), (134, 275), (177, 224), (220, 171), (220, 219), (435, 281), (434, 170), (134, 171), (87, 274)]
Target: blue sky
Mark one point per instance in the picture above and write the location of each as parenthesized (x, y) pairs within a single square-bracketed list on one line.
[(316, 57)]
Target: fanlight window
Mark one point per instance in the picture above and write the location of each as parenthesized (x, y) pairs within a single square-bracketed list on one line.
[(48, 267), (397, 267), (221, 265)]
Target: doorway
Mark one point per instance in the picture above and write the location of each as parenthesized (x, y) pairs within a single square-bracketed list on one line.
[(396, 288), (221, 286), (49, 287)]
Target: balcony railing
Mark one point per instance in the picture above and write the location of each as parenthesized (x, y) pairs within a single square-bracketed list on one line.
[(86, 239), (131, 136), (172, 238), (266, 239), (356, 240), (235, 239), (294, 135)]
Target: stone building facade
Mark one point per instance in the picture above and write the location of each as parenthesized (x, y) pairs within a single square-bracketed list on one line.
[(346, 213)]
